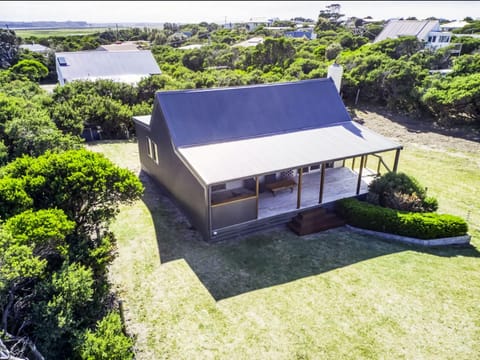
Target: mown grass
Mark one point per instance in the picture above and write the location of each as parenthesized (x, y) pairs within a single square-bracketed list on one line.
[(273, 295), (26, 33)]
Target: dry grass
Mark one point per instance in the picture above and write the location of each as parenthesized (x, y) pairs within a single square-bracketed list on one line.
[(274, 295)]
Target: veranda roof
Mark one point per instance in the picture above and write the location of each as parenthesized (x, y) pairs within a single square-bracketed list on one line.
[(230, 160)]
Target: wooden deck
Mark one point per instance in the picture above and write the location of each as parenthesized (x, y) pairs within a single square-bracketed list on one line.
[(339, 183)]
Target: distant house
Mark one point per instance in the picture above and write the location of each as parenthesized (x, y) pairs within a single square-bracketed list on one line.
[(242, 158), (300, 34), (191, 47), (122, 46), (37, 48), (453, 25), (250, 42), (122, 66), (253, 23), (427, 31)]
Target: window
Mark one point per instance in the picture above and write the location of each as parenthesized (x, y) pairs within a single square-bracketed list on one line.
[(62, 61), (444, 39), (219, 187), (152, 150)]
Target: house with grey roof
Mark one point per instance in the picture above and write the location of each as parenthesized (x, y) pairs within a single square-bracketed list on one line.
[(239, 159), (122, 66), (123, 46), (428, 31)]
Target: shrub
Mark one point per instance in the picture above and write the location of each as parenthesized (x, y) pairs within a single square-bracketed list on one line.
[(107, 341), (411, 224), (401, 192)]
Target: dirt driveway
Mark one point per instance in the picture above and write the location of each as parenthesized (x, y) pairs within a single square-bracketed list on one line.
[(422, 133)]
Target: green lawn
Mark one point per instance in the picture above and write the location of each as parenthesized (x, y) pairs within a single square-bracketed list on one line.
[(57, 32), (274, 295)]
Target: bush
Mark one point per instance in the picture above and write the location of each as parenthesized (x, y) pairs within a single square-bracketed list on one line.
[(411, 224), (401, 192), (107, 341)]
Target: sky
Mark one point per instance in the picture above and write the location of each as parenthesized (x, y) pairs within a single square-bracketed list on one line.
[(225, 11)]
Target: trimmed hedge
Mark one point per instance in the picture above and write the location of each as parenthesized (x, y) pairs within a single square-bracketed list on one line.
[(418, 225)]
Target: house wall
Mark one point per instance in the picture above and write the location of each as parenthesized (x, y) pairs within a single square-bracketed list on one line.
[(233, 213), (171, 173), (59, 73)]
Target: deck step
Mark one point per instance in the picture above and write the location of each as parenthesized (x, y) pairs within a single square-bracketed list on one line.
[(314, 221)]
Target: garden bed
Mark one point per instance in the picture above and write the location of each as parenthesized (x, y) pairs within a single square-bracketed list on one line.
[(454, 240)]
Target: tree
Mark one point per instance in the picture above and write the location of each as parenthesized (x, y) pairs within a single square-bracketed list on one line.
[(194, 59), (454, 98), (107, 341), (9, 45), (34, 133), (332, 51), (30, 243), (13, 197), (400, 191), (53, 258), (60, 315), (467, 64), (44, 231), (85, 184), (277, 52), (32, 69)]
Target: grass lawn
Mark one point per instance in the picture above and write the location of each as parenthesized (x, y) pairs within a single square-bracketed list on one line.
[(273, 295), (57, 32)]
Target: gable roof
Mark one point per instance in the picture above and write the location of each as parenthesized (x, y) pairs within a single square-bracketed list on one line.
[(206, 116), (235, 133), (396, 28), (128, 66)]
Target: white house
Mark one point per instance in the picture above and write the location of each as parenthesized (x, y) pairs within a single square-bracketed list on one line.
[(453, 25), (253, 23), (37, 48), (121, 66), (428, 31)]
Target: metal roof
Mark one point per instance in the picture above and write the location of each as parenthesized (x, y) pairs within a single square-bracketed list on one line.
[(35, 47), (418, 28), (128, 66), (143, 119), (200, 117), (216, 163)]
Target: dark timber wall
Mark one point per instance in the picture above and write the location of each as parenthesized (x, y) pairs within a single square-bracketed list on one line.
[(170, 172)]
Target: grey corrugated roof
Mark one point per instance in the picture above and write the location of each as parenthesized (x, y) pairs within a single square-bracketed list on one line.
[(216, 163), (115, 65), (199, 117), (396, 28)]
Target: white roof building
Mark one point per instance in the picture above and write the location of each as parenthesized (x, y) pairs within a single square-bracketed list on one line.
[(425, 30), (37, 48), (121, 66)]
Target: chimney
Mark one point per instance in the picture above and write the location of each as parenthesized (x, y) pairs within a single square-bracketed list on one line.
[(335, 72)]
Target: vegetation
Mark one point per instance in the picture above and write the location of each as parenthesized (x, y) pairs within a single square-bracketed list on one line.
[(401, 192), (351, 296), (57, 201), (417, 225), (56, 248)]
